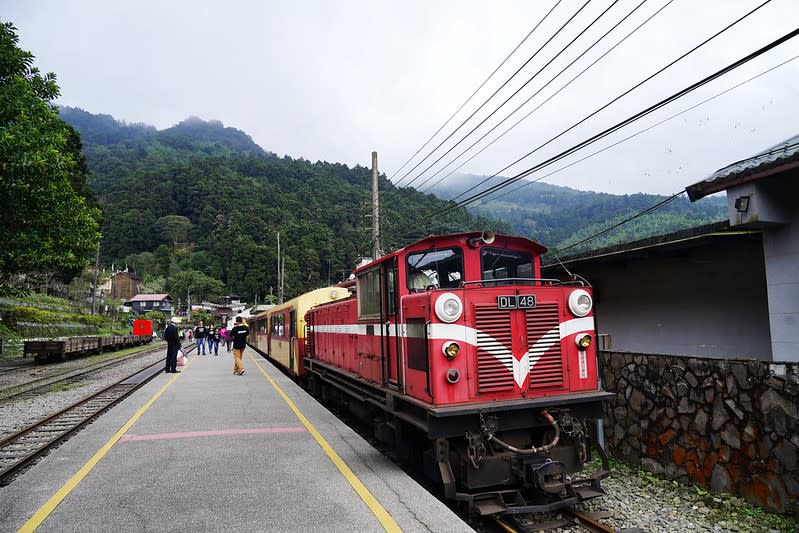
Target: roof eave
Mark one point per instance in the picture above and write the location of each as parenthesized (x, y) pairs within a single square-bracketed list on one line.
[(705, 188)]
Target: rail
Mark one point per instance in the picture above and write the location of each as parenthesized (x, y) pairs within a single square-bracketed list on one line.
[(22, 449), (570, 517), (46, 384)]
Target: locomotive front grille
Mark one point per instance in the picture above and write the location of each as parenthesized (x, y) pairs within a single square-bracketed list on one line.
[(543, 335), (495, 346), (494, 357)]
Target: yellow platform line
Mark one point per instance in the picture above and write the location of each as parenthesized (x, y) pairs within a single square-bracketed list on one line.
[(49, 506), (377, 509)]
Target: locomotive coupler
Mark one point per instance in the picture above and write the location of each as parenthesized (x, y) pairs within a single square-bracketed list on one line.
[(547, 475)]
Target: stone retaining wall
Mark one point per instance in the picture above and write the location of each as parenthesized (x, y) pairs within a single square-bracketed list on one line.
[(731, 425)]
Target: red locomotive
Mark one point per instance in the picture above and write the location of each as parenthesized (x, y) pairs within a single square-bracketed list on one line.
[(473, 366)]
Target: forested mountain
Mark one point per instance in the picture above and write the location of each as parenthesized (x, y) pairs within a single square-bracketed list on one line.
[(559, 216), (199, 204), (197, 208)]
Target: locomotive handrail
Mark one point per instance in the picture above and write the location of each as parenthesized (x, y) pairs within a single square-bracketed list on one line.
[(525, 281)]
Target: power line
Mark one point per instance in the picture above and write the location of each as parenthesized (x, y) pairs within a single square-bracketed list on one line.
[(513, 95), (483, 201), (538, 92), (508, 99), (475, 92), (626, 220), (495, 92), (621, 124)]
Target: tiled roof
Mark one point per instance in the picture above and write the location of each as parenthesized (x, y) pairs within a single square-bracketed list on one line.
[(771, 161)]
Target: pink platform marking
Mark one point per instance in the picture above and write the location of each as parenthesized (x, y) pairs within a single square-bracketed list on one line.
[(213, 433)]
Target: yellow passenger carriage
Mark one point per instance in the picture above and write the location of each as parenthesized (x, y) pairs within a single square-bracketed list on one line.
[(280, 331)]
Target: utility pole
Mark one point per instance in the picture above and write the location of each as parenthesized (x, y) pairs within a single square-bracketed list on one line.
[(282, 279), (96, 267), (375, 210), (279, 280)]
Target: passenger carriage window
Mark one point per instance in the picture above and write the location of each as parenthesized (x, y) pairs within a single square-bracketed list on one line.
[(440, 268), (499, 263), (277, 325), (369, 293)]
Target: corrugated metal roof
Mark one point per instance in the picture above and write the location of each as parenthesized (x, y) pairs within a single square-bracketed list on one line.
[(149, 297), (777, 156)]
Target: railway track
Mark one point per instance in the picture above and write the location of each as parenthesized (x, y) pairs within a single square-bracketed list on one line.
[(572, 518), (23, 448), (48, 384)]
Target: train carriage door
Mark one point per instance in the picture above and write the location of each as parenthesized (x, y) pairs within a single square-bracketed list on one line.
[(390, 329), (292, 339), (270, 333)]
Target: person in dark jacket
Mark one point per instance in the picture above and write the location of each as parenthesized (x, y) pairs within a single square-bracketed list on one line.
[(200, 332), (212, 340), (239, 334), (172, 347)]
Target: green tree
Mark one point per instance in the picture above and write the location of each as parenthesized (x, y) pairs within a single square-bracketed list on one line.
[(46, 217), (175, 228), (192, 282)]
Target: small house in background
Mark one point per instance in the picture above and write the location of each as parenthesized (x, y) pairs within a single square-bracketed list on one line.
[(125, 285), (223, 312), (142, 303)]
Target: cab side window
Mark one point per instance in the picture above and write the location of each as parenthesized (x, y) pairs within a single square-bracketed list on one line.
[(438, 268), (369, 293)]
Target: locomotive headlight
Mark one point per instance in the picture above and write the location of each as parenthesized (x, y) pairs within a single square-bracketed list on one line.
[(451, 349), (583, 341), (449, 307), (580, 303)]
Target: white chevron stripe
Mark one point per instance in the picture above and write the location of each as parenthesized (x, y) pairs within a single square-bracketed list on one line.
[(519, 368)]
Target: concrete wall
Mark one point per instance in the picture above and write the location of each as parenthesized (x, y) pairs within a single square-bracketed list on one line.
[(781, 250), (729, 425), (705, 301)]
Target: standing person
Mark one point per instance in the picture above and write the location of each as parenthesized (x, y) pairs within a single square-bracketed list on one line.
[(239, 334), (200, 332), (172, 347), (212, 340), (224, 334)]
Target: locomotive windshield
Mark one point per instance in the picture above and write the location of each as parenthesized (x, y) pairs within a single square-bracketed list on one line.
[(500, 263), (441, 268)]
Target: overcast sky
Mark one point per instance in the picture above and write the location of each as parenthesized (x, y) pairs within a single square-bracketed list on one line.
[(333, 81)]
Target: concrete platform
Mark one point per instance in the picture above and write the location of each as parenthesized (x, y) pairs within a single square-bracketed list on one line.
[(206, 450)]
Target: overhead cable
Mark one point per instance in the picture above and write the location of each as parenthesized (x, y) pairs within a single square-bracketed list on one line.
[(619, 125), (537, 93), (483, 201), (495, 92), (626, 220), (539, 106), (513, 95), (475, 92)]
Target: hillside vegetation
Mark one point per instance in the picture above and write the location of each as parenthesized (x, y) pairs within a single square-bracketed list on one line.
[(559, 216), (197, 208)]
